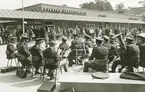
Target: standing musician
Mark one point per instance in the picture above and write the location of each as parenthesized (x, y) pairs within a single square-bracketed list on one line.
[(99, 52), (37, 54)]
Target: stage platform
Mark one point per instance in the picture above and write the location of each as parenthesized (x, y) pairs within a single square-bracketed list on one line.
[(83, 82)]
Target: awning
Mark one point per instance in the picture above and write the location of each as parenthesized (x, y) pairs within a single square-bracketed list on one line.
[(14, 14)]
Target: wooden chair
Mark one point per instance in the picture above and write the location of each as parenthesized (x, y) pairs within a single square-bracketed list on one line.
[(80, 53), (12, 58)]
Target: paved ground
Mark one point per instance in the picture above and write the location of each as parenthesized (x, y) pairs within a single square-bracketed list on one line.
[(9, 82)]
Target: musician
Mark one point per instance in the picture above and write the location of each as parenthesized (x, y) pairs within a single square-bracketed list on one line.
[(11, 50), (141, 43), (106, 42), (64, 45), (24, 51), (88, 41), (99, 52), (76, 42), (37, 54), (132, 54), (51, 59), (130, 58)]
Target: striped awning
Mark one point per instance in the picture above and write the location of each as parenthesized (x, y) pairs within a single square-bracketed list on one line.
[(14, 14)]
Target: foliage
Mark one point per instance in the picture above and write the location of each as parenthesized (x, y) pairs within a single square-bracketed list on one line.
[(102, 5), (120, 6)]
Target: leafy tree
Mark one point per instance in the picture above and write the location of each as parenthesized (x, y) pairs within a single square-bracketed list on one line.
[(120, 6), (102, 5), (142, 3)]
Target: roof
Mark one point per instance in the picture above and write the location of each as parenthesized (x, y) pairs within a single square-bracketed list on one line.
[(13, 14)]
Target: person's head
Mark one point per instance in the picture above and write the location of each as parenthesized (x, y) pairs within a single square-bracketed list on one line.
[(39, 41), (24, 39), (52, 44), (64, 39), (129, 40), (99, 41), (75, 36), (141, 38)]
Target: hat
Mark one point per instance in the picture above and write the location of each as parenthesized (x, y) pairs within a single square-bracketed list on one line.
[(98, 39), (52, 43), (129, 38), (141, 35), (24, 37), (75, 34), (64, 38), (39, 39), (106, 37), (87, 36)]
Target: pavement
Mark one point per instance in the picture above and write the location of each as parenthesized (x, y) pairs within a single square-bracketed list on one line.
[(9, 82)]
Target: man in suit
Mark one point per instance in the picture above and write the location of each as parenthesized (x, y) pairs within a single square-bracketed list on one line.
[(131, 56), (99, 52), (24, 51), (75, 44), (37, 54), (141, 43), (51, 59)]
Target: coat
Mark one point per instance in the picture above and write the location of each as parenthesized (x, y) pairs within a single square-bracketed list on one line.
[(142, 53), (132, 55), (50, 56), (100, 52)]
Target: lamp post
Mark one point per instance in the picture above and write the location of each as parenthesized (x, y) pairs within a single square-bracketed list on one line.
[(23, 26), (128, 17)]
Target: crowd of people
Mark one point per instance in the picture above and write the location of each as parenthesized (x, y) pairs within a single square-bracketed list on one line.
[(118, 48)]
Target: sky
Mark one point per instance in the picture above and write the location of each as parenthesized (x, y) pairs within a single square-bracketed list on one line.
[(15, 4)]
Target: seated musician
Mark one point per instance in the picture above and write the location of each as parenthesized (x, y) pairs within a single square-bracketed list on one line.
[(72, 55), (130, 58), (51, 59), (63, 51), (37, 54), (24, 55), (99, 52), (11, 50), (88, 41), (63, 46)]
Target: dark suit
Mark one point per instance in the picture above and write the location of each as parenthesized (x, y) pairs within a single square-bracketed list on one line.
[(23, 54), (142, 54), (132, 55), (37, 56), (51, 60), (75, 44), (100, 52)]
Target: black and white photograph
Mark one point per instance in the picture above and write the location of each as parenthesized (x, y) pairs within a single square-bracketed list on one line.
[(72, 45)]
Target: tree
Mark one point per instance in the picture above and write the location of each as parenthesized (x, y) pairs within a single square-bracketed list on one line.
[(142, 3), (102, 5), (120, 6)]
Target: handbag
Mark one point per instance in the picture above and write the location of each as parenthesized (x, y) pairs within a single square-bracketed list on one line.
[(21, 72)]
